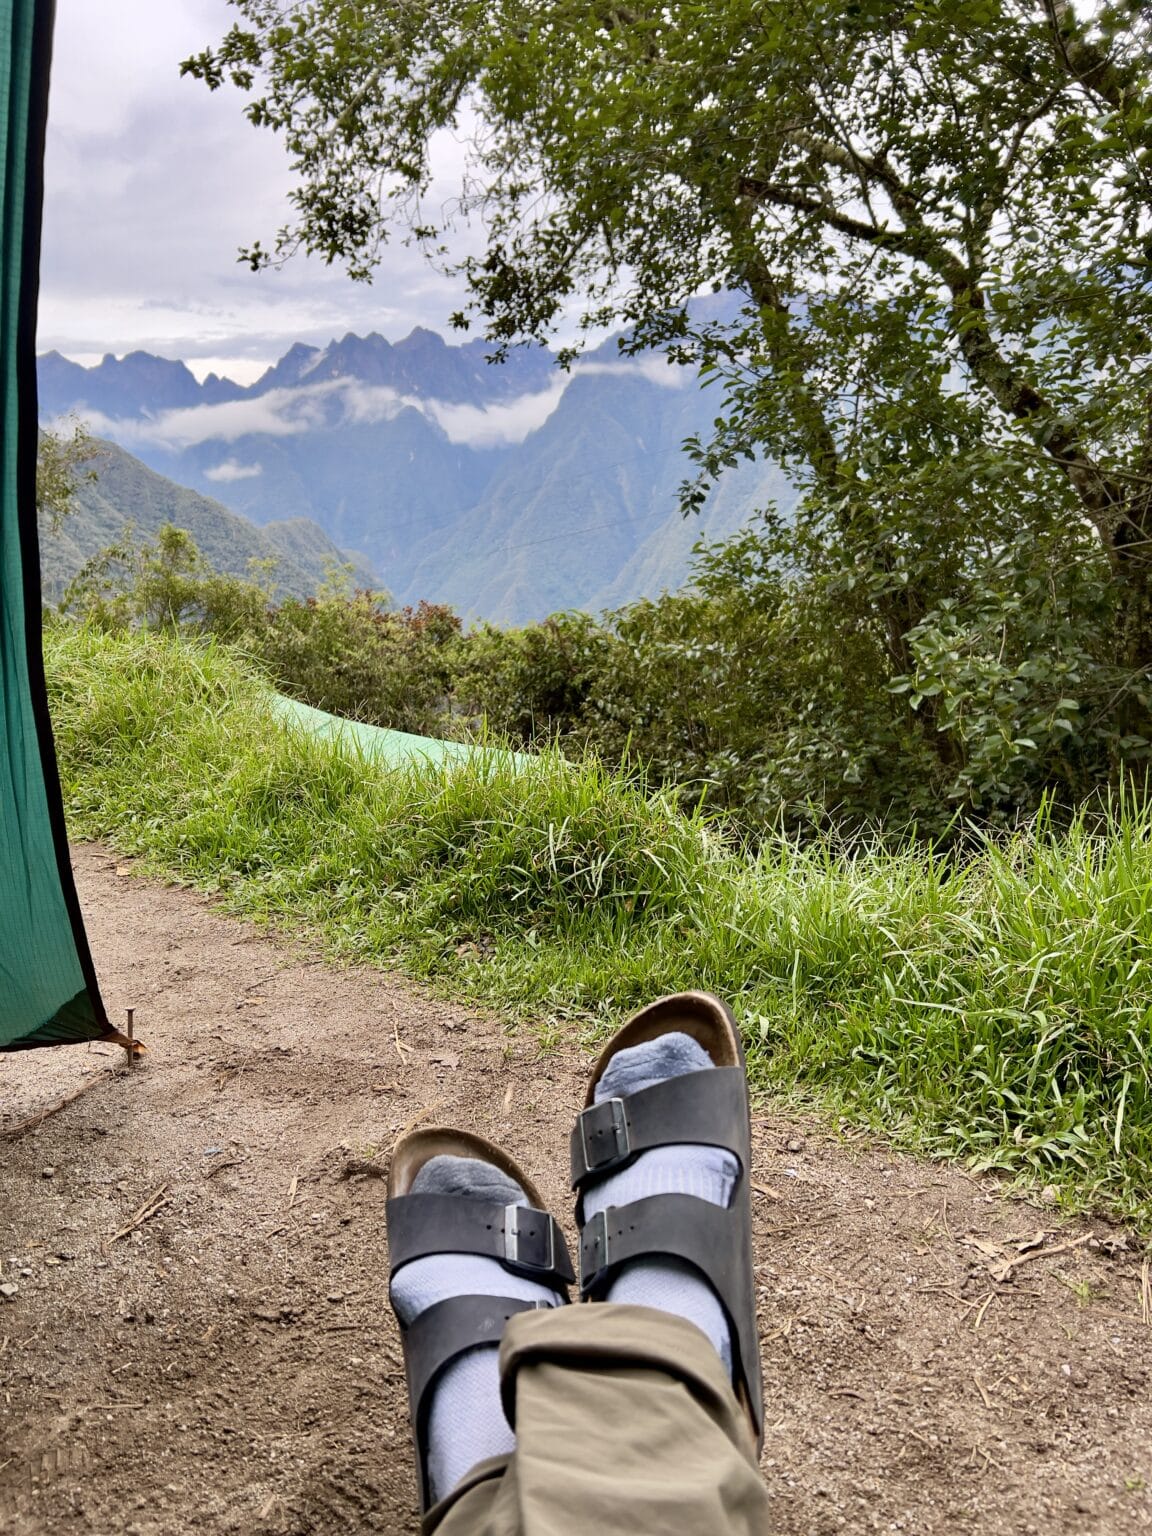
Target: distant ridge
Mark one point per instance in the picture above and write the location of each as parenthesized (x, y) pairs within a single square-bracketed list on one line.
[(509, 490), (126, 492)]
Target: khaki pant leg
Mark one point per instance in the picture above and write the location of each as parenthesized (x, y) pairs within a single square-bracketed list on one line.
[(626, 1425)]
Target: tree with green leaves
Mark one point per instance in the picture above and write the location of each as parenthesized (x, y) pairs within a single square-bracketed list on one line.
[(936, 218), (63, 459)]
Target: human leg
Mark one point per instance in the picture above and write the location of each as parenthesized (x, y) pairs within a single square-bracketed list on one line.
[(626, 1416), (470, 1246), (626, 1425)]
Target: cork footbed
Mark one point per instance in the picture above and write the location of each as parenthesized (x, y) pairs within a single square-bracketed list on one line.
[(419, 1147), (698, 1014), (710, 1023)]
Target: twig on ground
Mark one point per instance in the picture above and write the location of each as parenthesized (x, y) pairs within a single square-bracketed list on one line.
[(233, 1162), (984, 1305), (12, 1131), (155, 1202), (1003, 1272)]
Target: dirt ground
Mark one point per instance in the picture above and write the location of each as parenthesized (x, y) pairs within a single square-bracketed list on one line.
[(199, 1337)]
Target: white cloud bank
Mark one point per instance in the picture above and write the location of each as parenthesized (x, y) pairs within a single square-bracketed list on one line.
[(153, 183), (335, 403)]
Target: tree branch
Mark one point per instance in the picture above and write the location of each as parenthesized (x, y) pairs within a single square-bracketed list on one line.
[(820, 445), (1084, 60), (856, 229), (1102, 497)]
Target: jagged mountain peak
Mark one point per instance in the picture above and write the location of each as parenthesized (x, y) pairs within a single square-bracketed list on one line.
[(288, 370), (139, 383), (421, 339), (509, 490), (422, 366)]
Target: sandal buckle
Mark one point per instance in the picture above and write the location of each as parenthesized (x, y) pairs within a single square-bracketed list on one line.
[(529, 1238), (593, 1247), (604, 1134)]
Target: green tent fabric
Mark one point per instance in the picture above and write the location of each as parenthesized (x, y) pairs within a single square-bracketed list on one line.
[(48, 992), (391, 748)]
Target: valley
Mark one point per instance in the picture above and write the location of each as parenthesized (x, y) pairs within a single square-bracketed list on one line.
[(508, 490)]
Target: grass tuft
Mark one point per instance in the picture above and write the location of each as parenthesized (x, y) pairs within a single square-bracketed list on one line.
[(995, 1011)]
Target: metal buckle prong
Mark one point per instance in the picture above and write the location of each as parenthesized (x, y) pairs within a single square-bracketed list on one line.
[(594, 1246), (512, 1238), (621, 1145)]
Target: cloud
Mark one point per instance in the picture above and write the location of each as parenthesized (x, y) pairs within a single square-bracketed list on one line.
[(152, 185), (494, 425), (279, 413), (511, 421), (231, 470), (334, 403), (366, 403)]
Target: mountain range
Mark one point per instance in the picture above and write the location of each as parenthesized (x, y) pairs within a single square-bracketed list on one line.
[(508, 490)]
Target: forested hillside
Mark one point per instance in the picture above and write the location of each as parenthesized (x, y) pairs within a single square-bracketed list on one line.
[(114, 497)]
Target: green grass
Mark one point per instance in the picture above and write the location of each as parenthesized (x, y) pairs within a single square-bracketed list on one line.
[(996, 1012)]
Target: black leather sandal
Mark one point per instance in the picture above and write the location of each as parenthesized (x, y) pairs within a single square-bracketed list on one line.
[(709, 1108), (524, 1239)]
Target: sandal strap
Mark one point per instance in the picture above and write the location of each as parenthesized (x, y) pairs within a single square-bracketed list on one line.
[(713, 1239), (525, 1240), (709, 1108), (434, 1339)]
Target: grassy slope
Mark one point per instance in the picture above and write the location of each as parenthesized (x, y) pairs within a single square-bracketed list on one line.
[(999, 1014)]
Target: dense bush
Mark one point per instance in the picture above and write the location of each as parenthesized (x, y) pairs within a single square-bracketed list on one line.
[(830, 698), (344, 653), (535, 683), (343, 650)]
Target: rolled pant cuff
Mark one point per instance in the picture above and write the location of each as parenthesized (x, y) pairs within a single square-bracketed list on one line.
[(604, 1335), (583, 1371), (493, 1467)]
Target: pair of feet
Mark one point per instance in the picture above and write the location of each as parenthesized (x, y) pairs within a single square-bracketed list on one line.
[(660, 1163)]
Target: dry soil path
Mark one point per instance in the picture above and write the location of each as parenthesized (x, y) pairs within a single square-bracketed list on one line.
[(200, 1340)]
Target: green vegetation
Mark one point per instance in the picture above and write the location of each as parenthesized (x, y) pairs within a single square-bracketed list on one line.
[(852, 750), (748, 692), (63, 463), (341, 650), (930, 221), (92, 495), (994, 1009)]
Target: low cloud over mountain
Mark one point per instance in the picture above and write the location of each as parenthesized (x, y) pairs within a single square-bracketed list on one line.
[(458, 480), (348, 401)]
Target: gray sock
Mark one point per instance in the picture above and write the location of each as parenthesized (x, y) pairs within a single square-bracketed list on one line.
[(709, 1173), (467, 1422)]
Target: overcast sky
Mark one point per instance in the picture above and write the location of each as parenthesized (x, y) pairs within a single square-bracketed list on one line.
[(152, 184)]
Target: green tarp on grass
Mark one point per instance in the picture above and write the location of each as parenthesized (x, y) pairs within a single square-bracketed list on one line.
[(392, 748), (48, 992)]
